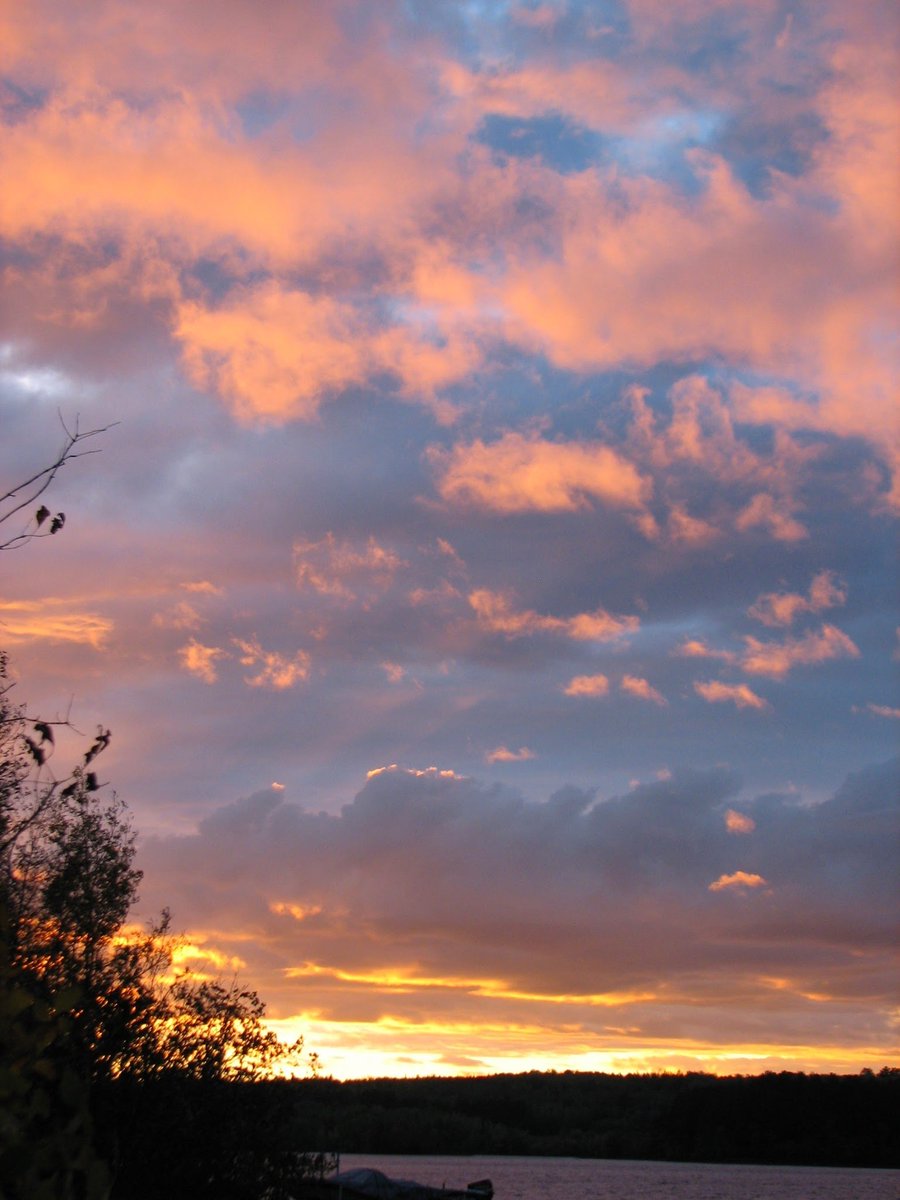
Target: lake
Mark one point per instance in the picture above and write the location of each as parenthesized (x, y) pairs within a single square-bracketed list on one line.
[(614, 1179)]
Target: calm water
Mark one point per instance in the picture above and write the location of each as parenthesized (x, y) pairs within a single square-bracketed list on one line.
[(605, 1179)]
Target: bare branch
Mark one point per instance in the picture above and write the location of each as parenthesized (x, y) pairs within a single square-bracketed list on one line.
[(26, 493)]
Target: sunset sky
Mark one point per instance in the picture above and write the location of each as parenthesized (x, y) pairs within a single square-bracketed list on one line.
[(490, 577)]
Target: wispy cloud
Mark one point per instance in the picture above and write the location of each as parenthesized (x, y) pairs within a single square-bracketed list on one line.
[(724, 693), (49, 620), (642, 690), (495, 613), (503, 755)]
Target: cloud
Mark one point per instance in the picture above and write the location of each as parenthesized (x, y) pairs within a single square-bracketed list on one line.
[(407, 904), (275, 354), (736, 693), (739, 880), (203, 587), (697, 648), (738, 822), (495, 613), (274, 670), (640, 688), (764, 512), (48, 620), (179, 616), (776, 659), (329, 566), (587, 685), (522, 474), (782, 608), (503, 755), (883, 710), (272, 354), (201, 660)]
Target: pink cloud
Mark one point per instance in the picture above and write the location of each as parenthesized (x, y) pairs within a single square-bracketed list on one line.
[(341, 568), (640, 688), (739, 880), (587, 685), (179, 616), (735, 693), (697, 648), (764, 512), (270, 353), (738, 822), (495, 613), (776, 659), (504, 755), (518, 474), (781, 608), (883, 710)]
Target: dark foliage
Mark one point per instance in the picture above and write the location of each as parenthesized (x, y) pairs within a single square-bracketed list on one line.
[(784, 1118)]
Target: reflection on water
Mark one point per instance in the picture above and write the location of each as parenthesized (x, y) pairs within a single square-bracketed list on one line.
[(611, 1179)]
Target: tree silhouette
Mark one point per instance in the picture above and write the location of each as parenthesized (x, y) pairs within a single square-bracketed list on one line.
[(102, 1041)]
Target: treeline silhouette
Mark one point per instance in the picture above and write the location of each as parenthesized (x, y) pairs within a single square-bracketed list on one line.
[(784, 1118)]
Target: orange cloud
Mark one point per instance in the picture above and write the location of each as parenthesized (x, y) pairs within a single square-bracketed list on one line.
[(740, 880), (736, 693), (587, 685), (200, 660), (275, 670), (273, 354), (495, 613), (520, 474), (780, 608), (47, 620), (276, 353), (503, 755), (737, 822), (776, 659), (640, 688)]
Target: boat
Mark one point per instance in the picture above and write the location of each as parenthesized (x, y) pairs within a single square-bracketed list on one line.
[(375, 1185)]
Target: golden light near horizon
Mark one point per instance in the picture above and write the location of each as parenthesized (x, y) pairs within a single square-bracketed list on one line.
[(500, 455)]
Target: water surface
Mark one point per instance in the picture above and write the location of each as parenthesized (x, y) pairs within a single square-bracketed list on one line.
[(616, 1179)]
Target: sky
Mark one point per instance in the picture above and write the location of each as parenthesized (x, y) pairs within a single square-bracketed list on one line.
[(488, 574)]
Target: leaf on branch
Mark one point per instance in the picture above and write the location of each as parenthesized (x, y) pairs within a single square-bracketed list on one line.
[(90, 782), (35, 751), (100, 744), (57, 523), (41, 515), (45, 731)]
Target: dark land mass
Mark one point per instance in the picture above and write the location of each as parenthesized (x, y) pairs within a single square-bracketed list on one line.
[(784, 1118)]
